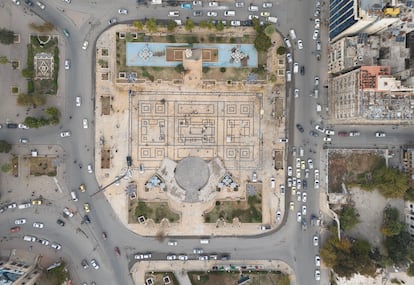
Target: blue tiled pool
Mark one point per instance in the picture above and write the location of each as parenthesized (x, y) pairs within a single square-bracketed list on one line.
[(153, 54)]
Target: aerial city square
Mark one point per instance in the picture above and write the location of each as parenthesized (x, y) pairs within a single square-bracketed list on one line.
[(206, 142)]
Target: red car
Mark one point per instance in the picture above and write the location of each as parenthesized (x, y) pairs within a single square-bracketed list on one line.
[(117, 251), (343, 134), (14, 229)]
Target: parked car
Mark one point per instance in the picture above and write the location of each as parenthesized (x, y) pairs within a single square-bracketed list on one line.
[(65, 134), (95, 264), (67, 64), (300, 44), (85, 45), (56, 246), (60, 222), (212, 14), (300, 128), (380, 134), (213, 4), (354, 134), (122, 11), (20, 221), (14, 230), (38, 225)]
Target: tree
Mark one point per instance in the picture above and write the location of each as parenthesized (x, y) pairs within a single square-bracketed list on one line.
[(398, 247), (410, 270), (220, 26), (38, 99), (31, 122), (189, 25), (269, 30), (179, 68), (5, 146), (262, 42), (6, 36), (151, 25), (391, 226), (4, 60), (281, 50), (24, 100), (348, 217), (203, 24), (6, 167), (138, 25), (28, 73), (53, 112), (171, 25), (409, 194)]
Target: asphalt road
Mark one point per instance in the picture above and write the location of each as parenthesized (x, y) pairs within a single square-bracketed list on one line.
[(289, 244)]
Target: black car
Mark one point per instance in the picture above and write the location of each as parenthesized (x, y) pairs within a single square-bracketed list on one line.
[(305, 184), (60, 222), (302, 70), (28, 2), (314, 134), (300, 128), (86, 219), (197, 13), (12, 126)]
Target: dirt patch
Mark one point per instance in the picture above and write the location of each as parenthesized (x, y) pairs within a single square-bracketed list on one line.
[(344, 167), (42, 166), (105, 158), (159, 277), (226, 278), (249, 211), (106, 105), (151, 210)]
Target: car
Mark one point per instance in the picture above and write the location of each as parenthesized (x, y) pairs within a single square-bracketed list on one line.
[(23, 140), (264, 227), (186, 6), (172, 243), (302, 165), (287, 42), (317, 261), (298, 217), (297, 93), (298, 196), (90, 170), (298, 173), (298, 163), (317, 274), (300, 44), (20, 221), (315, 34), (295, 67), (282, 189), (283, 140), (95, 264), (41, 5), (304, 197), (38, 225), (198, 13), (203, 257), (78, 101), (293, 190), (112, 21), (37, 202), (239, 4), (14, 230), (197, 3), (43, 241), (354, 134), (235, 23), (171, 257), (292, 205), (85, 45), (24, 205), (212, 14), (213, 256), (300, 128), (86, 219), (272, 182), (22, 126), (16, 2), (147, 255), (289, 182), (82, 187), (122, 11), (327, 139), (316, 174), (173, 14), (303, 210), (380, 134), (60, 222), (310, 163), (12, 206), (182, 257), (313, 133), (299, 183), (86, 207), (213, 4), (67, 1), (67, 64), (329, 132), (305, 183), (30, 238), (316, 81), (85, 264), (307, 173), (198, 251), (29, 3), (85, 123), (343, 134), (117, 251), (289, 57), (65, 134), (317, 23), (56, 246), (315, 240), (138, 256), (290, 170), (316, 186), (320, 129), (265, 14), (66, 33), (318, 45)]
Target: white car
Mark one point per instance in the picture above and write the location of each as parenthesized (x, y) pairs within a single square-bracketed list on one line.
[(327, 139), (212, 14), (329, 132), (20, 221), (122, 11), (316, 82), (290, 171), (197, 3), (67, 212), (292, 205), (289, 57), (380, 134), (56, 246), (85, 123), (287, 42), (41, 5), (315, 34), (95, 264), (85, 45), (67, 64), (320, 129), (303, 210), (317, 275), (38, 225), (302, 165), (22, 126), (213, 4), (90, 170), (78, 101), (317, 261), (299, 184), (272, 182), (278, 216), (316, 174), (298, 217), (294, 182), (317, 23), (316, 186), (304, 197), (354, 134), (235, 23), (173, 14), (300, 44), (183, 257), (310, 163), (172, 243), (239, 4), (315, 240), (17, 2), (267, 5), (297, 93), (298, 163), (282, 189), (171, 257), (65, 134), (289, 182), (251, 17), (298, 196), (43, 241)]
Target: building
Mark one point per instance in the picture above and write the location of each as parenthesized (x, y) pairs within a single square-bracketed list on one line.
[(408, 163), (20, 269), (350, 17), (369, 94), (409, 216)]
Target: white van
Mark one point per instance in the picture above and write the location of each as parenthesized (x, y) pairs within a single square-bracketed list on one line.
[(253, 8), (272, 19), (230, 13), (292, 34), (30, 238), (74, 196), (288, 76), (295, 67), (301, 151), (204, 241), (173, 14)]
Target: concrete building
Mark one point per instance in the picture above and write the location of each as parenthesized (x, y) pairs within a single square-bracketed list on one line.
[(409, 217), (20, 269), (350, 17), (408, 163), (370, 94)]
